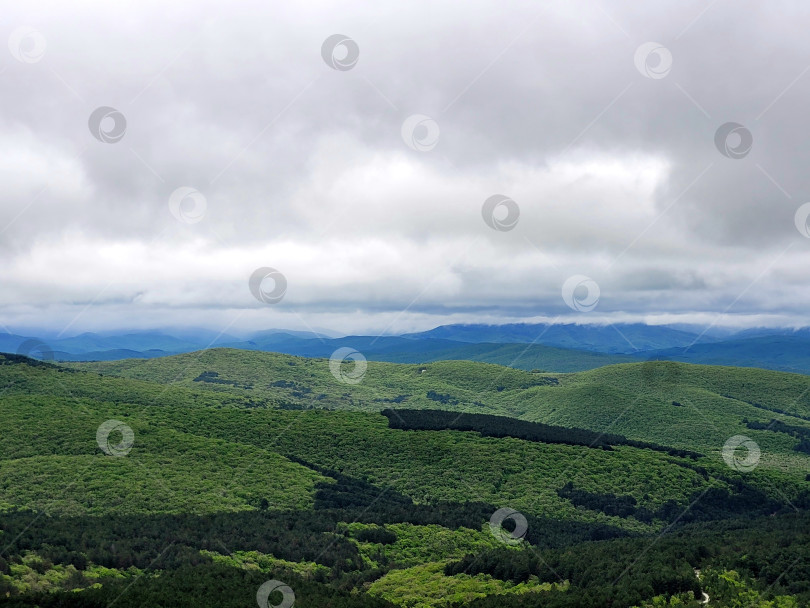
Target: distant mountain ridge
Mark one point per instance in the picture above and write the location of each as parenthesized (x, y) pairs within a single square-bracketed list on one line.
[(615, 338), (787, 353), (558, 347)]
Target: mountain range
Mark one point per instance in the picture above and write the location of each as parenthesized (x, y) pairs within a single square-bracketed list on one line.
[(549, 347)]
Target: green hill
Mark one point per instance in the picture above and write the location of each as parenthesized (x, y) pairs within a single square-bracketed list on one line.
[(674, 404), (246, 466)]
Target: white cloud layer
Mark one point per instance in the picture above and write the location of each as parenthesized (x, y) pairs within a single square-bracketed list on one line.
[(303, 168)]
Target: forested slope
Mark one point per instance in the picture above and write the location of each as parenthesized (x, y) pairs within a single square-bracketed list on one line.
[(204, 490)]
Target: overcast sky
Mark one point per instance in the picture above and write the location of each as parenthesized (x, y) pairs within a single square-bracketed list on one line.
[(358, 166)]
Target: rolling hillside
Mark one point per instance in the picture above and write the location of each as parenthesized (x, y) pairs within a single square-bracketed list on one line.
[(223, 468), (635, 399)]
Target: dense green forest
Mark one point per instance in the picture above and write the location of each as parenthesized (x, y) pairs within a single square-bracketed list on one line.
[(501, 426), (446, 484)]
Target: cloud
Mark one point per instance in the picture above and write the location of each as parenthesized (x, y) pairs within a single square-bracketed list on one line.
[(303, 167)]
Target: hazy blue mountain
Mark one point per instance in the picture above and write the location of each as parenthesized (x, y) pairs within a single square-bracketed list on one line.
[(759, 332), (82, 343), (790, 353), (90, 342), (323, 347), (9, 343), (617, 338), (284, 333), (717, 332), (560, 348), (91, 345), (196, 335), (397, 349)]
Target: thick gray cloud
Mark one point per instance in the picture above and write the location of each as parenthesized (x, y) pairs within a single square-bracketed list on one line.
[(303, 167)]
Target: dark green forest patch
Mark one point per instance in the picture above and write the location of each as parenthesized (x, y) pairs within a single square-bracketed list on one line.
[(501, 426)]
